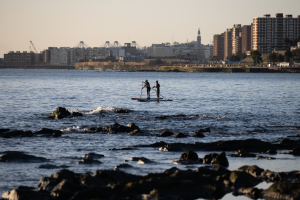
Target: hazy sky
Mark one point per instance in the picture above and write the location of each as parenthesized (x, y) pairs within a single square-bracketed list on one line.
[(63, 23)]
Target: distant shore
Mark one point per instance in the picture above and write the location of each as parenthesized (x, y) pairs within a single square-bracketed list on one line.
[(248, 69)]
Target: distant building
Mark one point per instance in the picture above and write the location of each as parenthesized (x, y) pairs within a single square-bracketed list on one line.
[(199, 39), (1, 61), (246, 38), (18, 58), (218, 49), (159, 50), (227, 43), (236, 38), (296, 47), (269, 33)]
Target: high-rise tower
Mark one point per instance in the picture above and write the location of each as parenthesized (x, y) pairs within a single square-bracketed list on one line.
[(199, 39)]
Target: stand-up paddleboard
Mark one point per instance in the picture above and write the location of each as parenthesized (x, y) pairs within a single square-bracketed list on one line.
[(151, 99)]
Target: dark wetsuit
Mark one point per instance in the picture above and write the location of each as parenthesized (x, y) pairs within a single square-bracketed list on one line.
[(157, 89), (147, 85)]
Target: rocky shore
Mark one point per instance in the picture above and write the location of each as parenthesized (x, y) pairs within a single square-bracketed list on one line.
[(210, 180)]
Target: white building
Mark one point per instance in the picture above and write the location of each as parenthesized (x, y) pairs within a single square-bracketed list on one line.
[(159, 50)]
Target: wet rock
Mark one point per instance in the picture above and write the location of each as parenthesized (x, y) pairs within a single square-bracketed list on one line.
[(243, 179), (60, 113), (220, 159), (143, 161), (185, 162), (288, 136), (202, 130), (125, 148), (252, 170), (120, 128), (250, 192), (3, 130), (264, 157), (136, 158), (282, 190), (49, 132), (173, 147), (17, 156), (271, 151), (242, 153), (156, 144), (25, 194), (165, 134), (209, 157), (198, 135), (92, 156), (287, 142), (122, 166), (49, 166), (16, 133), (65, 189), (189, 155), (88, 161), (180, 135), (76, 114), (296, 151), (162, 117), (92, 129), (122, 110)]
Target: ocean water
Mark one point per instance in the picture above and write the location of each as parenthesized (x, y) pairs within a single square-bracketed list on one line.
[(233, 105)]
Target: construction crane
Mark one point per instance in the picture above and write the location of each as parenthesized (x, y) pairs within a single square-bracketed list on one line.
[(33, 47)]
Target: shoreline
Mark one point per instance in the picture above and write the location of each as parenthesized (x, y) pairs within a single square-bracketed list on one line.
[(192, 69)]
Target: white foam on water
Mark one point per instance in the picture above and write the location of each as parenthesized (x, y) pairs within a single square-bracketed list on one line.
[(72, 128), (100, 109)]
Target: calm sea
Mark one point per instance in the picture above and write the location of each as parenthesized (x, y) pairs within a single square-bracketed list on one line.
[(233, 105)]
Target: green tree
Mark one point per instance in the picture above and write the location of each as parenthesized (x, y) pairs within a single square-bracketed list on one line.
[(234, 57), (256, 56), (280, 58), (296, 54), (273, 57), (288, 55), (159, 61), (214, 58)]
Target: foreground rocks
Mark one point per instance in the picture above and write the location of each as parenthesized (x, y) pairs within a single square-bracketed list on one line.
[(170, 184), (17, 156), (115, 128)]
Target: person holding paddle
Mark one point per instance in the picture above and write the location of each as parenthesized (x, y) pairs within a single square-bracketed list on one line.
[(157, 86), (147, 85)]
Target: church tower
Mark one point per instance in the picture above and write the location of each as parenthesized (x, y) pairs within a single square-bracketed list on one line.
[(199, 39)]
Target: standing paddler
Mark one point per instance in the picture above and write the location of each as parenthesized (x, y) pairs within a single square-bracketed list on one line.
[(157, 86), (147, 85)]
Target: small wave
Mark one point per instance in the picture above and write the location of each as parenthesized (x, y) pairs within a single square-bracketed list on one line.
[(100, 109), (72, 128)]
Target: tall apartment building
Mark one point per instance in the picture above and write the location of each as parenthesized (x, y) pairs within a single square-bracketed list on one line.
[(218, 49), (227, 43), (236, 38), (246, 38), (18, 58), (269, 33)]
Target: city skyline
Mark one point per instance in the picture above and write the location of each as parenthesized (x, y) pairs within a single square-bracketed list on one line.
[(65, 23)]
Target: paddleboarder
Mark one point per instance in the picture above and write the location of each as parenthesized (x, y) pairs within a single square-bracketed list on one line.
[(157, 86), (147, 85)]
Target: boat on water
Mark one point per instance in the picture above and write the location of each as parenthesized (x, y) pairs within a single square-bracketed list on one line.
[(150, 99)]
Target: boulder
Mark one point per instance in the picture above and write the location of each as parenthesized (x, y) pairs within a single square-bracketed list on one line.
[(49, 166), (122, 166), (189, 155), (3, 130), (220, 159), (165, 134), (89, 161), (202, 130), (17, 156), (60, 113), (122, 110), (296, 151), (76, 114), (252, 170), (180, 135), (143, 161), (16, 133), (282, 190), (92, 156), (198, 135), (243, 179), (50, 132), (242, 153), (287, 141), (114, 128), (209, 157)]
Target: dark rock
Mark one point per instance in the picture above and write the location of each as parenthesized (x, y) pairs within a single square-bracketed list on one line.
[(16, 133), (25, 194), (120, 128), (282, 190), (243, 179), (180, 135), (209, 157), (198, 135), (168, 147), (271, 151), (77, 114), (263, 157), (189, 155), (252, 170), (296, 151), (89, 161), (49, 166), (220, 159), (65, 189), (136, 158), (3, 130), (47, 131), (242, 153), (287, 142), (92, 129), (202, 130), (16, 156), (56, 134), (121, 166), (122, 110), (185, 162), (60, 113), (162, 117), (165, 134), (143, 161), (92, 156), (114, 149)]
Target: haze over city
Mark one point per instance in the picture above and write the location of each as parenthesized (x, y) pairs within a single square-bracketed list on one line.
[(65, 23)]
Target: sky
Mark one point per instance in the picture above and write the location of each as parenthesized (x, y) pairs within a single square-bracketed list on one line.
[(64, 23)]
